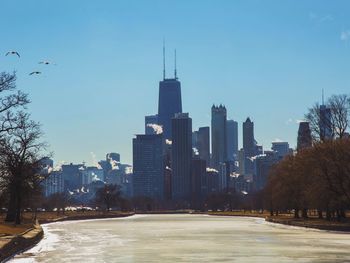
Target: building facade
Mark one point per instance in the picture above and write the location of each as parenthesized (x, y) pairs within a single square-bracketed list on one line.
[(218, 135), (181, 156), (149, 121), (148, 177), (232, 140), (169, 104), (304, 136)]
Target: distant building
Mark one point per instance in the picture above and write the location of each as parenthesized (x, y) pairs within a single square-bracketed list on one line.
[(218, 135), (232, 140), (149, 120), (72, 176), (248, 138), (53, 183), (113, 157), (304, 136), (249, 146), (148, 178), (240, 184), (223, 174), (201, 141), (325, 124), (211, 182), (46, 165), (241, 161), (91, 174), (181, 156), (281, 149), (198, 171), (262, 167), (169, 104)]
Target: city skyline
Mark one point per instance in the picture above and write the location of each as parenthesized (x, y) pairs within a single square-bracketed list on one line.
[(287, 63)]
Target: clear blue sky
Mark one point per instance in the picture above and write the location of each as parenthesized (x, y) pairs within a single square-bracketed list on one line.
[(265, 59)]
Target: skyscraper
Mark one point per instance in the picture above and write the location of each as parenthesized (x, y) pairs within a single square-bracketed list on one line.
[(181, 156), (304, 136), (148, 177), (232, 140), (262, 166), (202, 140), (325, 124), (218, 135), (249, 146), (198, 171), (149, 121), (281, 149), (170, 101), (248, 138)]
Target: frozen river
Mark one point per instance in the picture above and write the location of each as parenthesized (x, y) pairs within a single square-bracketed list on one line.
[(185, 238)]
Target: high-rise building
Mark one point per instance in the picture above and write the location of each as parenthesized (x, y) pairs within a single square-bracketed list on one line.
[(281, 149), (198, 172), (262, 166), (200, 141), (304, 136), (249, 146), (232, 140), (113, 156), (248, 138), (325, 123), (148, 177), (72, 176), (241, 161), (181, 156), (149, 121), (170, 101), (53, 183), (218, 135)]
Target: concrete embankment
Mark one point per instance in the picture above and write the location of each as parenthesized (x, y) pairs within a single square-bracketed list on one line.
[(11, 245)]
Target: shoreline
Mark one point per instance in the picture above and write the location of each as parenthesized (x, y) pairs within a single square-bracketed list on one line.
[(310, 223), (11, 245), (15, 244)]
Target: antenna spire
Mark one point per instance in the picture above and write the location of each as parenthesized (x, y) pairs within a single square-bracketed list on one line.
[(163, 59), (175, 66)]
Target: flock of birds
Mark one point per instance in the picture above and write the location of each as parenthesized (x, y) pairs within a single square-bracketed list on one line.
[(15, 53)]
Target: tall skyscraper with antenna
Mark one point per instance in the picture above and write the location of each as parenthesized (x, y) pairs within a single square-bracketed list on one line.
[(325, 121), (170, 101)]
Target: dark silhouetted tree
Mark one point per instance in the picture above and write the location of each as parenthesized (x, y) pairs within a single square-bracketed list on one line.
[(20, 166), (108, 196)]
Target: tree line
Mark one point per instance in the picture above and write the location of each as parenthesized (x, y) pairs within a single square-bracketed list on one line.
[(21, 149), (318, 177)]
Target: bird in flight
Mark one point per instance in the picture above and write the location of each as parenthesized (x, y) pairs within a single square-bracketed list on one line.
[(45, 62), (35, 72), (13, 53)]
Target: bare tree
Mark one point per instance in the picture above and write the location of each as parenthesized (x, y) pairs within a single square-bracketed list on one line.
[(340, 113), (333, 117), (10, 102), (20, 163), (108, 196), (314, 117)]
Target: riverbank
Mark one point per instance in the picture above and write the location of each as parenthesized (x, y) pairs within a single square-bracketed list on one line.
[(288, 219), (15, 239), (13, 244), (315, 223)]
